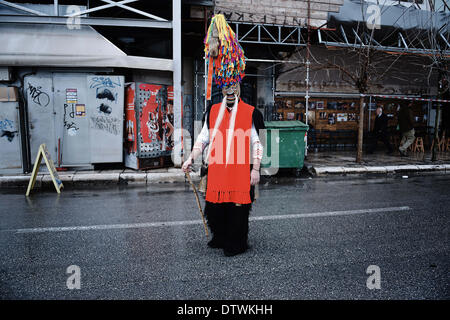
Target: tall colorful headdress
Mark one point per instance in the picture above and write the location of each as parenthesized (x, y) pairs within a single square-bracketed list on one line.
[(229, 64)]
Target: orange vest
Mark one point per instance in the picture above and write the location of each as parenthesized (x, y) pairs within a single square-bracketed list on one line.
[(230, 182)]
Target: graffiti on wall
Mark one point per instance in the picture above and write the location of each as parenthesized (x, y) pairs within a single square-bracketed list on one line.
[(107, 89), (104, 82), (68, 123), (106, 123), (104, 108), (37, 95), (7, 129), (107, 96), (105, 92), (261, 18)]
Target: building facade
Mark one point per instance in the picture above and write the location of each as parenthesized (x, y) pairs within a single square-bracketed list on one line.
[(101, 83)]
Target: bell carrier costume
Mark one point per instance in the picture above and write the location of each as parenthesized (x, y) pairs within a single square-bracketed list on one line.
[(231, 133), (229, 194)]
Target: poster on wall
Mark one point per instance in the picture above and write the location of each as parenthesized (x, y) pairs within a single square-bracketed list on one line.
[(299, 105), (311, 118), (149, 122), (289, 104), (167, 121), (341, 117), (332, 105), (331, 118), (130, 145), (320, 105), (156, 118)]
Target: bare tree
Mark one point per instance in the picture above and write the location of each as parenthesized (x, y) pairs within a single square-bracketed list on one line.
[(364, 65), (438, 64)]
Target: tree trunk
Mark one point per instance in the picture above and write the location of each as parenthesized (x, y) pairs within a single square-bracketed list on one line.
[(436, 134), (440, 88), (359, 148)]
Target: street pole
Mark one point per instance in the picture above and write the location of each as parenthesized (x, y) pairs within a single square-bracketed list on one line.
[(370, 105), (307, 75), (177, 107)]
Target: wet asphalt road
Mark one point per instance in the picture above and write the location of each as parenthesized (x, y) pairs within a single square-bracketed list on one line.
[(124, 251)]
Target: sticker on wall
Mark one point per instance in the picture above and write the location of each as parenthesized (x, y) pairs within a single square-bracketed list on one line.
[(72, 132), (71, 96), (80, 110)]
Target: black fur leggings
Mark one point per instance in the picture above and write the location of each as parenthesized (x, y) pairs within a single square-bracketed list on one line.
[(229, 224)]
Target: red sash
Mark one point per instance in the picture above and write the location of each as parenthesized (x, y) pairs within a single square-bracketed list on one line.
[(230, 182)]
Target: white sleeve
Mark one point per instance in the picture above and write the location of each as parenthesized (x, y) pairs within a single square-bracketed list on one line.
[(257, 148), (203, 138)]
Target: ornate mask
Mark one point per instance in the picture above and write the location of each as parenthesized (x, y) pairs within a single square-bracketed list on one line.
[(231, 91)]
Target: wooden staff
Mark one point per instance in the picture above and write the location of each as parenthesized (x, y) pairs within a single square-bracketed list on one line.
[(198, 202)]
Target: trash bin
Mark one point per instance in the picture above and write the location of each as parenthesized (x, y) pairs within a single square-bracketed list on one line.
[(290, 142)]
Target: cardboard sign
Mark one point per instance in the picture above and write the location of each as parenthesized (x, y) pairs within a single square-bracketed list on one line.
[(9, 94), (43, 153)]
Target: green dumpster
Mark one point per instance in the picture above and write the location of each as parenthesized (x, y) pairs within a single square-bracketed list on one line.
[(285, 143)]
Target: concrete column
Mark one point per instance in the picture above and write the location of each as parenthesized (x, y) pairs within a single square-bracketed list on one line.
[(176, 30)]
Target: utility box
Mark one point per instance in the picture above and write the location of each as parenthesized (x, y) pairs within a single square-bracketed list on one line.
[(10, 155), (290, 140), (79, 116), (148, 125)]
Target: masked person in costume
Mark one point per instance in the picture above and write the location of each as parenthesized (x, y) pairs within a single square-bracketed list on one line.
[(234, 151)]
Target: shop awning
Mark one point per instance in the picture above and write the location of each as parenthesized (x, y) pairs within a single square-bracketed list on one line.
[(60, 46)]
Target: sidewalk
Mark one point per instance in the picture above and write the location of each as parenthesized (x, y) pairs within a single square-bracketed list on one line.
[(319, 164), (343, 162)]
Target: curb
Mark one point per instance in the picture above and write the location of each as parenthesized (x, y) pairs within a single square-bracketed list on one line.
[(100, 178), (175, 175), (324, 171)]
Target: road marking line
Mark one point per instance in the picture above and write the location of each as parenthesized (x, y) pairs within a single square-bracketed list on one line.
[(192, 222), (329, 213)]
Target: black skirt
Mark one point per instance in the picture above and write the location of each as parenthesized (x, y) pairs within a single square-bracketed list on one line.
[(228, 223)]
